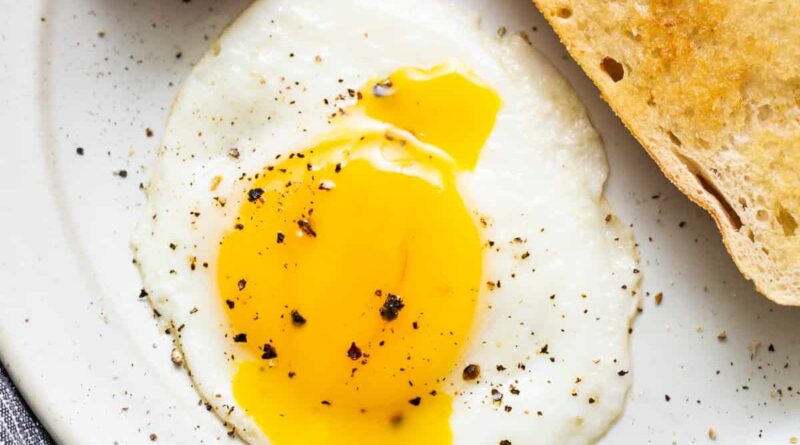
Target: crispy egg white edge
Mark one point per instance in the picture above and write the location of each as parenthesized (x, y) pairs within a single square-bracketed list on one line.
[(573, 171)]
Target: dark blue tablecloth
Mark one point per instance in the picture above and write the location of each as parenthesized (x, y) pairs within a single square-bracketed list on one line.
[(18, 426)]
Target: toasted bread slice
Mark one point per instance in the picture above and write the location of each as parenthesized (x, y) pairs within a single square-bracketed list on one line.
[(711, 89)]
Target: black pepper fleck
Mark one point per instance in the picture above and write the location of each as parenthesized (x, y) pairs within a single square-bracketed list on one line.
[(269, 352), (297, 319), (497, 396), (391, 307), (305, 226), (354, 353), (382, 88), (471, 372), (255, 194)]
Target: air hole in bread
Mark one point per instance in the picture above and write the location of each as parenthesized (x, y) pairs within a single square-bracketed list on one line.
[(733, 218), (674, 139), (632, 36), (787, 221), (764, 112), (743, 203), (762, 215), (751, 236), (613, 68), (564, 12)]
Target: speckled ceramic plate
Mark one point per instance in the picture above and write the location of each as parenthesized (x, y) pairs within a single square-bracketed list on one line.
[(82, 81)]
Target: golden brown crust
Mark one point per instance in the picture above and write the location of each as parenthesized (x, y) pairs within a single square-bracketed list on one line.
[(711, 89)]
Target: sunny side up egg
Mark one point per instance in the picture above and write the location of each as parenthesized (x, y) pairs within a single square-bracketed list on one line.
[(372, 222)]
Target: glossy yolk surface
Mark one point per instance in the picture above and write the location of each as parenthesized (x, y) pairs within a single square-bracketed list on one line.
[(446, 106), (352, 276)]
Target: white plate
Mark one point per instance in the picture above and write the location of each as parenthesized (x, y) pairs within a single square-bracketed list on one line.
[(84, 349)]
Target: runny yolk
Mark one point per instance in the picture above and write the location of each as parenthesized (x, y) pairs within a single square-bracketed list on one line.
[(446, 106), (351, 277)]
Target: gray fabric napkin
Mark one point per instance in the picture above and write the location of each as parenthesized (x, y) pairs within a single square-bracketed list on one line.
[(18, 426)]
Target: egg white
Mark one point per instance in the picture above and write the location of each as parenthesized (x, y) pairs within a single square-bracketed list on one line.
[(558, 327)]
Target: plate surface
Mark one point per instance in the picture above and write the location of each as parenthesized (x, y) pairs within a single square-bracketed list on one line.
[(85, 351)]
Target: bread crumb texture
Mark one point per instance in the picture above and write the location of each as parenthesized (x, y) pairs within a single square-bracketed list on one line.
[(711, 89)]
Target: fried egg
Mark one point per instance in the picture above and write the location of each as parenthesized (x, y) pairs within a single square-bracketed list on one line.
[(374, 222)]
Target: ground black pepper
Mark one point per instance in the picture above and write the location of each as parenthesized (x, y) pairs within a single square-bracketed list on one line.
[(391, 307), (471, 372), (354, 353), (255, 194), (305, 226), (269, 352), (297, 319)]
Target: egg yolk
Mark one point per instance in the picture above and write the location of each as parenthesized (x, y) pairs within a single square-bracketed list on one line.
[(352, 274), (446, 106)]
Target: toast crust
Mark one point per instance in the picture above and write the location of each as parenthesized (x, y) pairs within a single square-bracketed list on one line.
[(711, 90)]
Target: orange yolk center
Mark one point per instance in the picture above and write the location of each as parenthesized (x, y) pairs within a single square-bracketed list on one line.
[(352, 276)]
